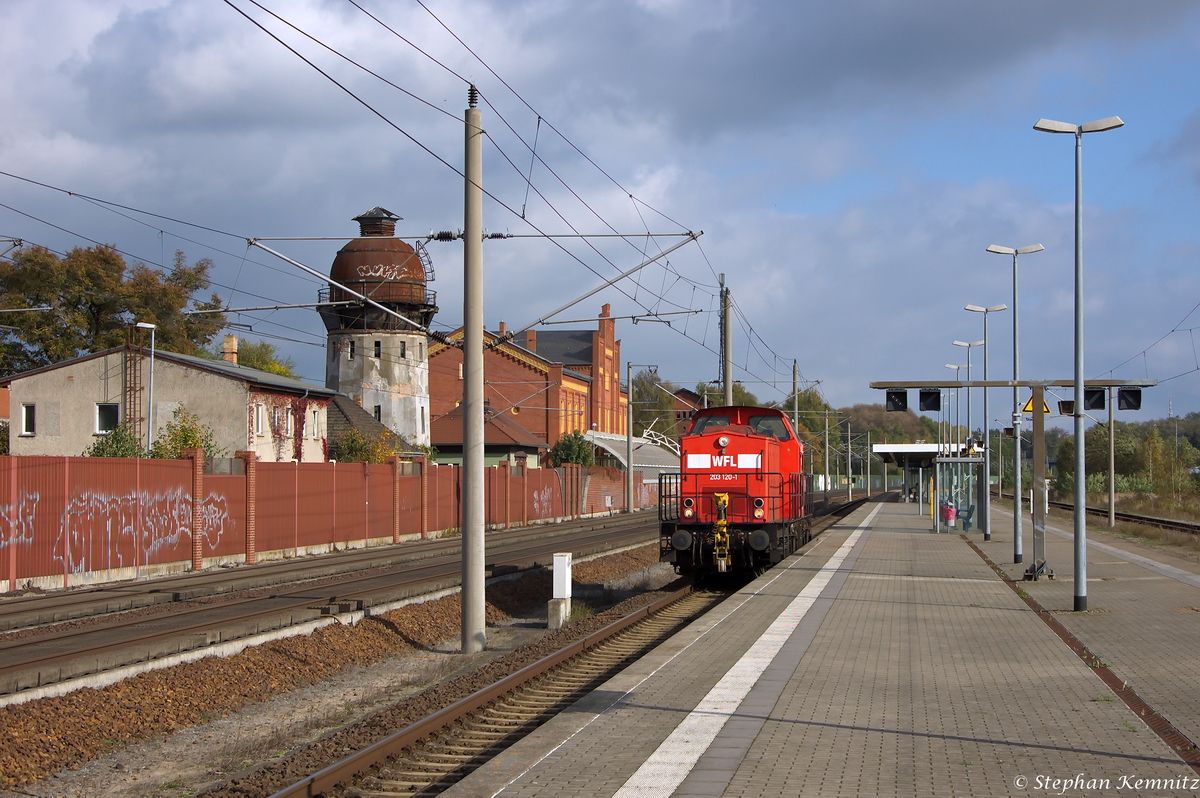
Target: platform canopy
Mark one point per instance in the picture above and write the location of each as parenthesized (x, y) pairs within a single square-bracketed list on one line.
[(916, 455)]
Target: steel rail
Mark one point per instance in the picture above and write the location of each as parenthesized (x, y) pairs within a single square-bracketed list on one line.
[(379, 751), (426, 569), (121, 596), (286, 605), (1133, 518)]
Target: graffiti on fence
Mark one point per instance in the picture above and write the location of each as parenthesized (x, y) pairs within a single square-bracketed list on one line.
[(115, 526), (543, 502)]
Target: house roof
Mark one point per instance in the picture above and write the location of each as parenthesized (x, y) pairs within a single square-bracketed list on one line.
[(690, 398), (498, 430), (246, 374), (344, 414), (516, 346)]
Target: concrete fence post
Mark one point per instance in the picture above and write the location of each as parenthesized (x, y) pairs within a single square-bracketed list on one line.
[(423, 462), (506, 475), (251, 460), (394, 462), (197, 458)]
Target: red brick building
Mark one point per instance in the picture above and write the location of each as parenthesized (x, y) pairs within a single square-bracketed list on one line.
[(686, 404), (551, 383)]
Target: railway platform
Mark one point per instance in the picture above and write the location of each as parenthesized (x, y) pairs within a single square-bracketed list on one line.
[(885, 659)]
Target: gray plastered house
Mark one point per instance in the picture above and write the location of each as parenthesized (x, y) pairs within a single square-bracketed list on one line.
[(61, 409)]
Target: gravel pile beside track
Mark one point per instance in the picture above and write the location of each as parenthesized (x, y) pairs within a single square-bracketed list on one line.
[(43, 736)]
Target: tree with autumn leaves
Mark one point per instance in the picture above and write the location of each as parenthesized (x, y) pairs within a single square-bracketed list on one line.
[(93, 297)]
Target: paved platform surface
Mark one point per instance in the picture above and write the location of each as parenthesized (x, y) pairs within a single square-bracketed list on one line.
[(885, 659)]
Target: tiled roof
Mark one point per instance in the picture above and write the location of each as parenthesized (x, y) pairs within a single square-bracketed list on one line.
[(498, 430), (345, 414), (222, 367)]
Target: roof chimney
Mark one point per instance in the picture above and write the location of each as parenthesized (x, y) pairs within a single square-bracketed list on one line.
[(503, 328), (230, 348), (377, 222), (531, 340)]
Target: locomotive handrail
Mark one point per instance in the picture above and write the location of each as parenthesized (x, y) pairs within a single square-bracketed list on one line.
[(780, 492)]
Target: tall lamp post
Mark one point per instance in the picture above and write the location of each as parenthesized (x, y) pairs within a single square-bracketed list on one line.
[(150, 414), (954, 435), (1051, 126), (986, 518), (969, 347), (1018, 554)]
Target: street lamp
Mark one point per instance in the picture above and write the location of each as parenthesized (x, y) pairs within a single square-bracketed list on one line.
[(969, 346), (957, 396), (1018, 554), (629, 432), (150, 431), (1050, 126), (987, 426)]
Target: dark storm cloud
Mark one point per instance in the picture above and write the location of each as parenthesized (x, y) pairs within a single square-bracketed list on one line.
[(716, 66)]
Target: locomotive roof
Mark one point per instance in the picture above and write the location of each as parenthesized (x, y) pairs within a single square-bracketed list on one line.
[(724, 410)]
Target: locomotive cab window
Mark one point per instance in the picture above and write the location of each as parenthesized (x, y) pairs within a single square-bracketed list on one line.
[(705, 422), (770, 425)]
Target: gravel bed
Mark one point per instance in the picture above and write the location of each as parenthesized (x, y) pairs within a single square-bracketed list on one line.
[(294, 704)]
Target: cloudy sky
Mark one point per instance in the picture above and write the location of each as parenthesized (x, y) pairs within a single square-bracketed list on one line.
[(848, 164)]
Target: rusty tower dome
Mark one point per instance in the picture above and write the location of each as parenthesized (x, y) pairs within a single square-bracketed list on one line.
[(388, 270), (375, 358)]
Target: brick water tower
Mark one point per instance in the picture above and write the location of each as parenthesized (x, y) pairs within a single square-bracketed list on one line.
[(375, 358)]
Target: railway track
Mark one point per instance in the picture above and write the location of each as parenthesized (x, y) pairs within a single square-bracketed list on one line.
[(429, 756), (1132, 518), (106, 649), (18, 612)]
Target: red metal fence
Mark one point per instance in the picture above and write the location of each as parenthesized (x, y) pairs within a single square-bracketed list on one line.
[(78, 520)]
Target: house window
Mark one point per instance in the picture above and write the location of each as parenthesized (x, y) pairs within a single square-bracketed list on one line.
[(378, 412), (260, 413), (351, 350), (316, 433), (423, 412), (460, 365), (379, 349), (403, 350), (420, 350), (108, 416), (29, 419)]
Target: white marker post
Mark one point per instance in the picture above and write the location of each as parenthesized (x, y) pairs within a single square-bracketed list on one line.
[(558, 611)]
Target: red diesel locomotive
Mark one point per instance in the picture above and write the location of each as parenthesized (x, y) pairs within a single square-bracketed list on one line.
[(741, 501)]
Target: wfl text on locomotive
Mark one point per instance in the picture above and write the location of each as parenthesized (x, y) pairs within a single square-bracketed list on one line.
[(741, 500)]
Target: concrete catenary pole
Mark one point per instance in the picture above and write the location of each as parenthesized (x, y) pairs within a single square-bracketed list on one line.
[(795, 396), (474, 634), (1112, 462), (726, 345), (629, 438)]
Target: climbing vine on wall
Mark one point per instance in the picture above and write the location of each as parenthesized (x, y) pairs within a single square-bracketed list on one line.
[(286, 419)]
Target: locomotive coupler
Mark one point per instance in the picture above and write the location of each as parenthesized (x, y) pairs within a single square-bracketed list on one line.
[(721, 533)]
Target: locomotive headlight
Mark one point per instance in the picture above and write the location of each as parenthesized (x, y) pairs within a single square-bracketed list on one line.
[(759, 502), (689, 502), (723, 441), (688, 512)]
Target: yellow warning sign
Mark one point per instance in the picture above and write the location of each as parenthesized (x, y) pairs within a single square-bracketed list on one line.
[(1028, 408)]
